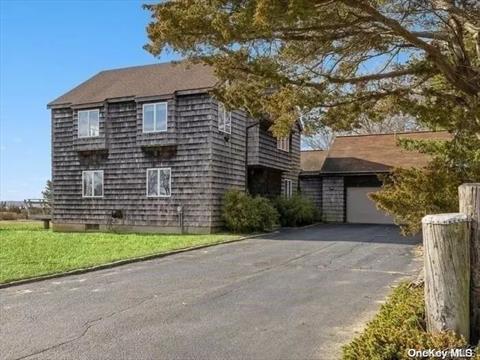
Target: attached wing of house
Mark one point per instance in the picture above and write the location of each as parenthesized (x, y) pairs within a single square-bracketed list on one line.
[(340, 180)]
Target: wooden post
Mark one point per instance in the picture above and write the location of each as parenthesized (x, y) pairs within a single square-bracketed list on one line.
[(46, 224), (447, 272), (469, 196)]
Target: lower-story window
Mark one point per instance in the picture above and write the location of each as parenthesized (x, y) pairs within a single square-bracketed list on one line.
[(288, 188), (92, 183), (159, 182)]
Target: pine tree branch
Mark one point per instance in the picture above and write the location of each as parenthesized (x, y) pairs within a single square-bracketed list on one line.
[(434, 53)]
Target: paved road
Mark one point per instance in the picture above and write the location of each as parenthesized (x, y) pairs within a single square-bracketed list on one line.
[(297, 294)]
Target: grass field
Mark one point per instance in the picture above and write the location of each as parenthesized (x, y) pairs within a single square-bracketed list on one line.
[(27, 250)]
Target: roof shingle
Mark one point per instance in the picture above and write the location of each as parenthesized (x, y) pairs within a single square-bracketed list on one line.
[(376, 153), (140, 81), (312, 160)]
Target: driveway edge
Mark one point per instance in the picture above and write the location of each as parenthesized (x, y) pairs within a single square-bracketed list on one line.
[(125, 261)]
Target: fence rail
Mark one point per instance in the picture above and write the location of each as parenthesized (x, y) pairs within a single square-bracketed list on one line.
[(39, 209)]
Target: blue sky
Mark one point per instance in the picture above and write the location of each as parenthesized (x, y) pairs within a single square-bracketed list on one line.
[(46, 48)]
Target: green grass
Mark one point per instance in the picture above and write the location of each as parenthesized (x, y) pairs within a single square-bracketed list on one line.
[(399, 326), (27, 250)]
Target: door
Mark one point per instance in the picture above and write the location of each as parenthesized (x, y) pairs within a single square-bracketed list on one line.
[(362, 210)]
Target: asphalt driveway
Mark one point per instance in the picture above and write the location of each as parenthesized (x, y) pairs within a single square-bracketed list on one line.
[(296, 294)]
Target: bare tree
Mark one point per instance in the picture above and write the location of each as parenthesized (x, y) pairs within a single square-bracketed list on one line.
[(323, 138), (392, 124), (320, 140)]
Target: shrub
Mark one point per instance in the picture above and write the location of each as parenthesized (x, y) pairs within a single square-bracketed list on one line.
[(8, 215), (399, 326), (244, 213), (296, 211)]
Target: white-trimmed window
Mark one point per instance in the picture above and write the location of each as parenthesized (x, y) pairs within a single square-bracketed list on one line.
[(288, 188), (159, 182), (92, 183), (284, 144), (155, 117), (88, 123), (224, 119)]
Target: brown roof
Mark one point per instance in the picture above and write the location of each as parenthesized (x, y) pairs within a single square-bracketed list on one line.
[(312, 160), (140, 81), (376, 153)]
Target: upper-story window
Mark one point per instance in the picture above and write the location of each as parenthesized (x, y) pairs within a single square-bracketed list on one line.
[(284, 144), (88, 123), (92, 183), (159, 182), (224, 119), (155, 117)]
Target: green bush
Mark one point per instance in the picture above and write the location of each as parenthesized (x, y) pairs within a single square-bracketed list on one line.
[(399, 326), (244, 213), (8, 215), (296, 211)]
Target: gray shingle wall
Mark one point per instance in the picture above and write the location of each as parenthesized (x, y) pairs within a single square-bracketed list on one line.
[(311, 187), (204, 162), (125, 168), (333, 199), (291, 161), (263, 150), (253, 141), (228, 159)]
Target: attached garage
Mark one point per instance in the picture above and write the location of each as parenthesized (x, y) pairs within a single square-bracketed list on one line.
[(340, 179), (362, 210)]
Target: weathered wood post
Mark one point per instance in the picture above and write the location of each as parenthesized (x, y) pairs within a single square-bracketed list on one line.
[(447, 272), (469, 196)]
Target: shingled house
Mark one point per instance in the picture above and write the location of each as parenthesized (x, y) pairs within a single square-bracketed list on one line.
[(149, 149), (339, 180)]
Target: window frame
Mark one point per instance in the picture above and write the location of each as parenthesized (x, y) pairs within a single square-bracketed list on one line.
[(155, 117), (158, 183), (288, 188), (221, 109), (88, 111), (93, 183), (284, 141)]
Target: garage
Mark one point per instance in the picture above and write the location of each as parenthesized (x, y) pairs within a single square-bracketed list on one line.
[(362, 210), (340, 179)]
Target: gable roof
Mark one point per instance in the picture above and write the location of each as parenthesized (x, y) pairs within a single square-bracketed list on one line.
[(312, 160), (140, 81), (376, 153)]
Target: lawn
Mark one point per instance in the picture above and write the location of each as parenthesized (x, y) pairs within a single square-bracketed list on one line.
[(27, 250)]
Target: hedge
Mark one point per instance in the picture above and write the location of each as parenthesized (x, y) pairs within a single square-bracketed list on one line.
[(296, 211), (243, 213)]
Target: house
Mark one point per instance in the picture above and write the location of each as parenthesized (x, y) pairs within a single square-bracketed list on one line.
[(339, 180), (148, 149)]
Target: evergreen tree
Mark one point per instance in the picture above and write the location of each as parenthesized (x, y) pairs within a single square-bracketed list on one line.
[(341, 63), (47, 193)]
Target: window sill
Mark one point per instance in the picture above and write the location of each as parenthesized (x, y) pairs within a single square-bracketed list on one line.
[(157, 139)]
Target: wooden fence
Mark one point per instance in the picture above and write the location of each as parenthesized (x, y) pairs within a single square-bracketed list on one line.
[(452, 267), (39, 209)]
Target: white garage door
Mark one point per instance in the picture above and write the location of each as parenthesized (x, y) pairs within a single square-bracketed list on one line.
[(362, 210)]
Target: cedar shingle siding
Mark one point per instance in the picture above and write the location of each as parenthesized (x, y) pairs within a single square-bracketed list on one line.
[(263, 153), (311, 188), (205, 162), (355, 161)]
